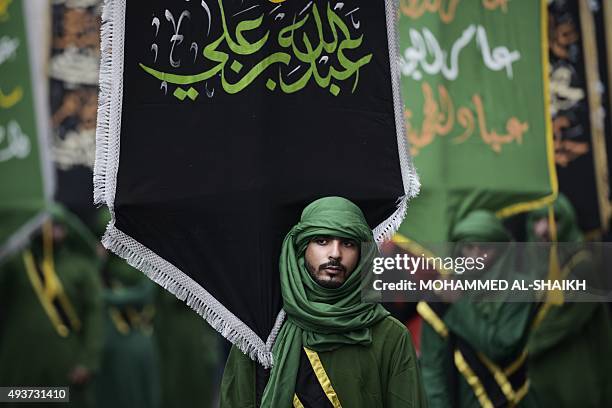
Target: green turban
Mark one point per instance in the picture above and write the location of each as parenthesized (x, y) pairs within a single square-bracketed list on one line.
[(567, 226), (480, 226), (321, 319)]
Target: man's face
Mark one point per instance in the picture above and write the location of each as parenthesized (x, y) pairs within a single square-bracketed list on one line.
[(487, 254), (330, 260), (541, 230)]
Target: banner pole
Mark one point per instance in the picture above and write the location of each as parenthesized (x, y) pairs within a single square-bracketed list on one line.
[(598, 141)]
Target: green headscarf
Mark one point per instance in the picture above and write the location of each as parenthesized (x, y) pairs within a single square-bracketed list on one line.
[(567, 226), (480, 226), (319, 318), (484, 227)]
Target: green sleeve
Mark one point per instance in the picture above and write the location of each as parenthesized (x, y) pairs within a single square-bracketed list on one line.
[(436, 366), (560, 323), (497, 330), (238, 383), (405, 385), (91, 317)]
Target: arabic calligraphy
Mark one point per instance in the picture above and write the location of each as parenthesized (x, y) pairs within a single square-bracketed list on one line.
[(8, 48), (12, 99), (440, 119), (425, 54), (417, 8), (16, 143), (496, 4), (300, 51), (446, 9)]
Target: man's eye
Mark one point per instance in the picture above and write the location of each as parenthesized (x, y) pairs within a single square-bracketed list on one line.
[(321, 241), (349, 244)]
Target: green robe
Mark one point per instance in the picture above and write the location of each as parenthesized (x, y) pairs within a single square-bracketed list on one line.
[(189, 352), (570, 350), (571, 357), (499, 331), (129, 374), (32, 353), (383, 374)]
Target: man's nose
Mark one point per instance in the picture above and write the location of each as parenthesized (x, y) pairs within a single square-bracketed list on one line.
[(335, 249)]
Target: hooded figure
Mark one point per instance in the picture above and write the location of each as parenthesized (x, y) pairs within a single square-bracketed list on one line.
[(570, 349), (51, 333), (333, 350), (473, 352)]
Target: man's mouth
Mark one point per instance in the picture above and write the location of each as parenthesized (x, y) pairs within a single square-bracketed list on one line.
[(333, 270)]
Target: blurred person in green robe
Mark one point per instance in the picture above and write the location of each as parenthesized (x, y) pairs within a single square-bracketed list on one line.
[(189, 352), (50, 294), (129, 372), (332, 350), (570, 348), (473, 351)]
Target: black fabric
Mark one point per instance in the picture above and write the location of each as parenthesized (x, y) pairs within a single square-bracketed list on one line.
[(492, 389), (307, 387), (262, 375), (213, 185), (571, 123)]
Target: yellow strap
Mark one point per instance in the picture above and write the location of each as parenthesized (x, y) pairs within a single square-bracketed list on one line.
[(512, 367), (521, 392), (296, 402), (118, 321), (472, 380), (578, 257), (432, 318), (53, 286), (500, 378), (56, 321), (319, 371), (554, 296)]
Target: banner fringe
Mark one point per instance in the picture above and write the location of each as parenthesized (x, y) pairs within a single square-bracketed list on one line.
[(156, 268), (103, 127), (185, 289)]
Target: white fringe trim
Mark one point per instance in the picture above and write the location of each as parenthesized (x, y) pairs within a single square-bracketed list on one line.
[(410, 178), (186, 289), (110, 101)]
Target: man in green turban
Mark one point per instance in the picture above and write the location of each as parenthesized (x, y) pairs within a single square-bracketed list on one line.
[(51, 335), (333, 350), (570, 348), (472, 351)]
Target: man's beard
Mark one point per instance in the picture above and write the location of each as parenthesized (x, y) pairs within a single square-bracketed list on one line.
[(325, 283)]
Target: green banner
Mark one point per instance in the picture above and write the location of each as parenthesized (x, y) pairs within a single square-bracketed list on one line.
[(22, 186), (474, 79)]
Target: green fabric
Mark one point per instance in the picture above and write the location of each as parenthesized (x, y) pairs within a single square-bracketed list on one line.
[(319, 318), (570, 358), (565, 219), (129, 374), (438, 367), (21, 167), (477, 132), (480, 226), (385, 374), (31, 351), (188, 354), (572, 338)]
